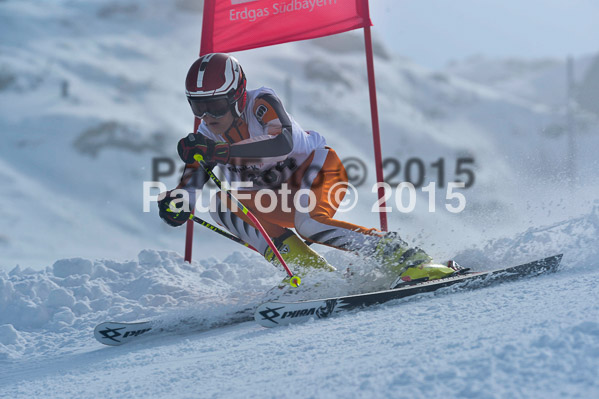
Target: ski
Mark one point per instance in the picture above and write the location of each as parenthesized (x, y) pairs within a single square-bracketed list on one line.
[(114, 333), (273, 314)]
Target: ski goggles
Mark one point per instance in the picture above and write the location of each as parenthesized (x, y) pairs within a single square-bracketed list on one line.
[(214, 106)]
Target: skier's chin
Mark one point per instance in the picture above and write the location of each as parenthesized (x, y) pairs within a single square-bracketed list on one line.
[(219, 126)]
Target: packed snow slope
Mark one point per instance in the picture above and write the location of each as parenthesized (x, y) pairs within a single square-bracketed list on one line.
[(537, 337), (91, 93)]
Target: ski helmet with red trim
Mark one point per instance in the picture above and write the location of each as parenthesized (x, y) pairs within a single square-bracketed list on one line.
[(213, 78)]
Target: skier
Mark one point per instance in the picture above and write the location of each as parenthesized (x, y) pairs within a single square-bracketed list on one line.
[(250, 136)]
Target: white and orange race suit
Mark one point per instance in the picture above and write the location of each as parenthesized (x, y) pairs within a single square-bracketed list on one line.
[(270, 150)]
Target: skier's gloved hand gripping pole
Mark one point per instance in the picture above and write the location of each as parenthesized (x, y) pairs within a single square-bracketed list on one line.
[(178, 218), (294, 281)]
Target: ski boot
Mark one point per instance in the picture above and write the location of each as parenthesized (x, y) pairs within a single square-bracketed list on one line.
[(299, 257), (452, 264), (421, 273), (411, 265)]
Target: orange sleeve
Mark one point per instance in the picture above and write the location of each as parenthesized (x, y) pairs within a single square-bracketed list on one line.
[(264, 112)]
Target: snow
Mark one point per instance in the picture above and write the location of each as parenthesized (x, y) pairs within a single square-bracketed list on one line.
[(537, 337), (76, 248), (518, 339)]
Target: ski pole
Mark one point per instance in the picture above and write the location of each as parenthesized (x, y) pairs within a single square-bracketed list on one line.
[(221, 232), (294, 280), (226, 234)]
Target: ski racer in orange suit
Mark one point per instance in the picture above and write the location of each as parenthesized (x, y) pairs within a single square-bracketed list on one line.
[(250, 136)]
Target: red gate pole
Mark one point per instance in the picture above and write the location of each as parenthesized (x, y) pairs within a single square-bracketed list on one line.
[(188, 240), (375, 123), (189, 227)]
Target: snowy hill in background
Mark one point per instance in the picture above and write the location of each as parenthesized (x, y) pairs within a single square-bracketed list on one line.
[(94, 95), (543, 81), (89, 99)]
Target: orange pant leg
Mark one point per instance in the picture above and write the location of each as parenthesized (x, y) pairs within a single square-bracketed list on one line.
[(327, 179)]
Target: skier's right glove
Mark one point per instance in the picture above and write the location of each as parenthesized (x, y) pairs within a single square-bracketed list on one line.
[(210, 150), (168, 214)]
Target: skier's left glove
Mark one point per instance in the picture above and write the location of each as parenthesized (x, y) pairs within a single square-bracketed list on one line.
[(209, 150), (171, 216)]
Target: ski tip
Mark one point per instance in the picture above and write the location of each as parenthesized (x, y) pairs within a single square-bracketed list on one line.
[(115, 333), (552, 261)]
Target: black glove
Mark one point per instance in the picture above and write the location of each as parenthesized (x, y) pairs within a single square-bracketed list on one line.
[(209, 150), (173, 218)]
